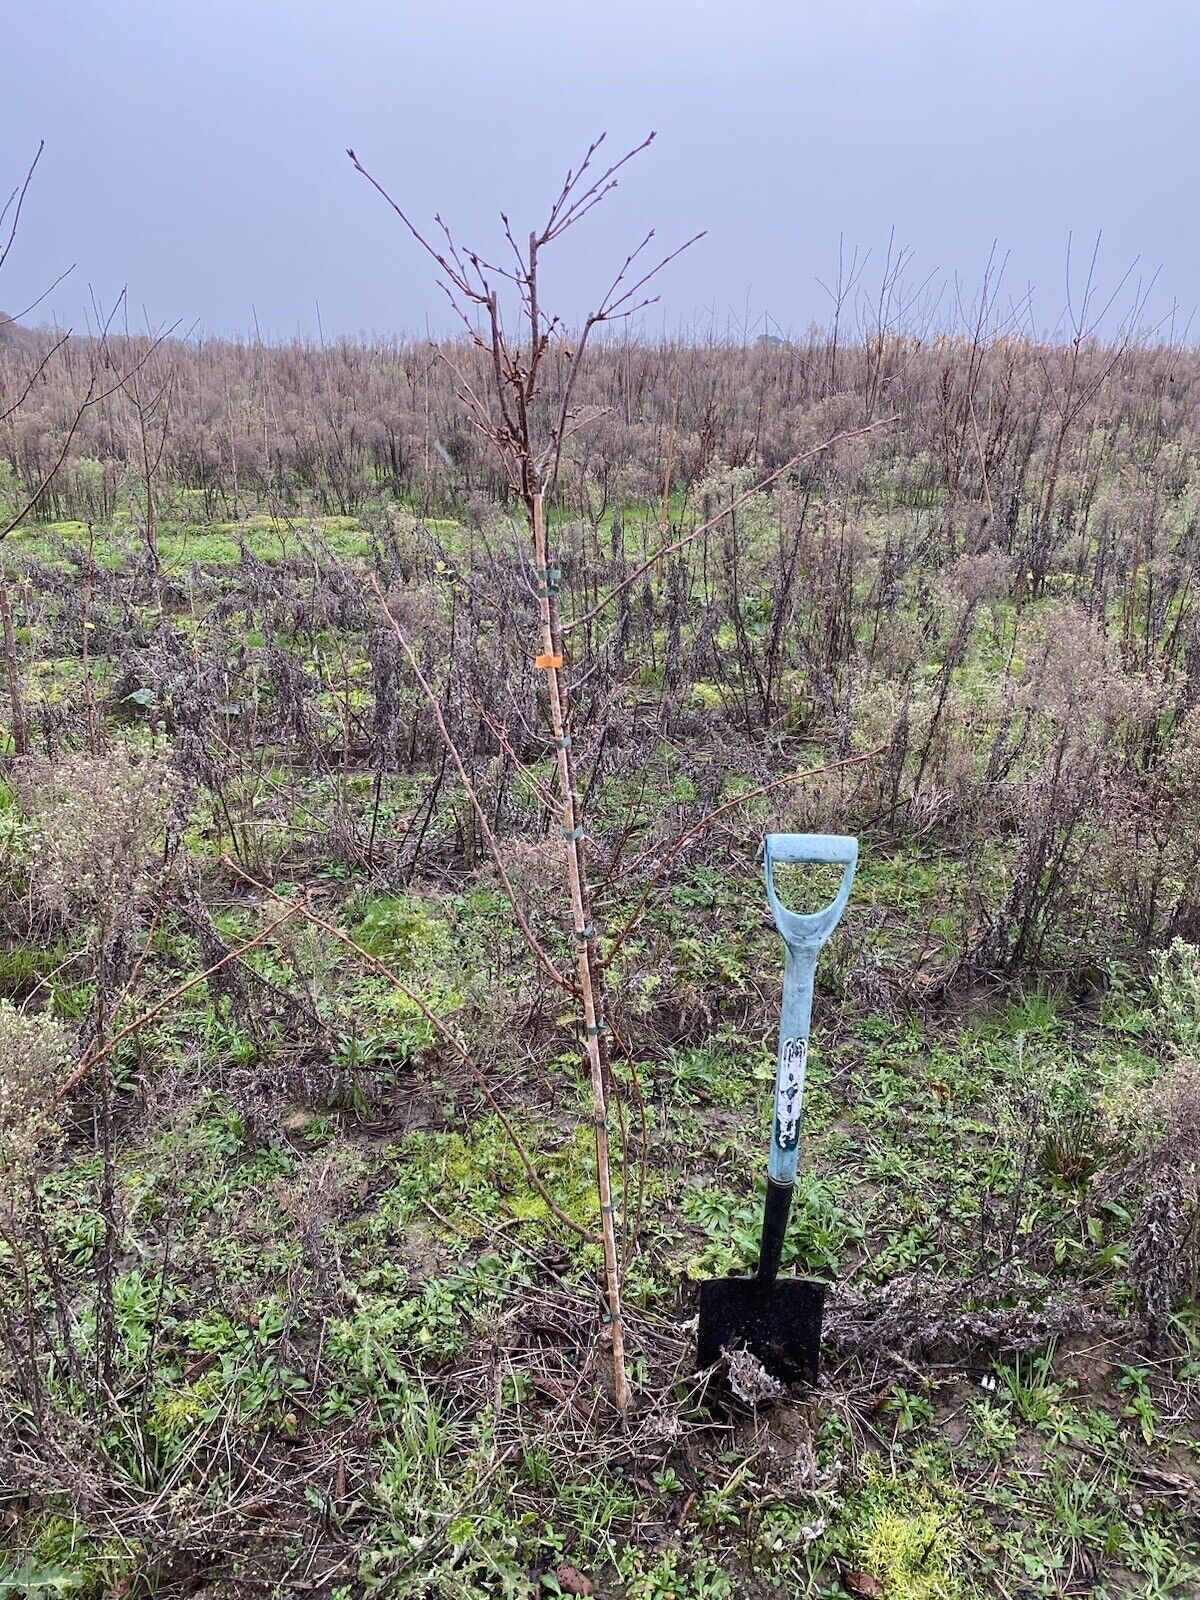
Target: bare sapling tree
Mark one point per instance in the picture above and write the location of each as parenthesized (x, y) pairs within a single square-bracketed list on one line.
[(518, 383), (528, 435)]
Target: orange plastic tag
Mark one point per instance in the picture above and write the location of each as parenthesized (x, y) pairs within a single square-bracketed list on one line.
[(548, 661)]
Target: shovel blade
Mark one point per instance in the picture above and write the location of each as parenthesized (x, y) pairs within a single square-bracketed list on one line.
[(779, 1323)]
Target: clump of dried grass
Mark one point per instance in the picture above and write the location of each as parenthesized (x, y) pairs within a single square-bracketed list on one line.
[(1164, 1248), (94, 823), (916, 1315), (34, 1051), (750, 1380), (975, 578)]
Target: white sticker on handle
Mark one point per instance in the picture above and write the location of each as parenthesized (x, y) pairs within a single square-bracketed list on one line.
[(789, 1093)]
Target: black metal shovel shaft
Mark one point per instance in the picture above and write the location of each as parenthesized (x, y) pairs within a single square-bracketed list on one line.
[(776, 1209)]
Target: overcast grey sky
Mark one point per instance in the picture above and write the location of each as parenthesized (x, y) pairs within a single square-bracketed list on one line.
[(195, 148)]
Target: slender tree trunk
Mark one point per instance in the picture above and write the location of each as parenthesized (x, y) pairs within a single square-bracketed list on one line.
[(591, 976)]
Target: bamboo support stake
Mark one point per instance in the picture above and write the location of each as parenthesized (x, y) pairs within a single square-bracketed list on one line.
[(591, 984)]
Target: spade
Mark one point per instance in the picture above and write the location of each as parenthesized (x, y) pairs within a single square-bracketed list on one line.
[(779, 1319)]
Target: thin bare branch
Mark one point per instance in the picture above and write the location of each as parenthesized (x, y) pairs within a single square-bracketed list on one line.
[(16, 202)]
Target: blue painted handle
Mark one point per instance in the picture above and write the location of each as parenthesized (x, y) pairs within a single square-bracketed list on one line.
[(803, 935)]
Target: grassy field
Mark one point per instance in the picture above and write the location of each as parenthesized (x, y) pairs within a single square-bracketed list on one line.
[(287, 1311)]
